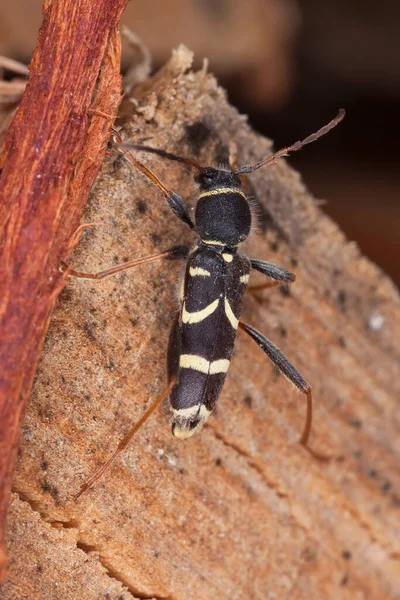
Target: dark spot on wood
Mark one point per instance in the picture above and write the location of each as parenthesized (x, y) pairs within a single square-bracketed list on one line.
[(156, 239), (65, 295), (285, 290), (283, 331), (196, 136), (39, 568), (274, 246), (43, 465), (115, 259), (345, 580), (336, 272), (63, 379), (94, 418), (309, 553), (218, 462), (182, 471), (386, 486), (51, 489), (342, 299), (372, 473), (294, 262), (356, 423), (156, 554), (346, 554), (396, 500), (88, 330), (128, 347), (342, 342), (134, 321), (141, 206), (248, 400), (110, 366)]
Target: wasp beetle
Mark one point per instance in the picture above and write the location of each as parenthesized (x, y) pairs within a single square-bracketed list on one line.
[(215, 281)]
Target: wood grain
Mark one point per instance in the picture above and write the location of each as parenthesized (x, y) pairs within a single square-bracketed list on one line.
[(52, 153), (240, 510)]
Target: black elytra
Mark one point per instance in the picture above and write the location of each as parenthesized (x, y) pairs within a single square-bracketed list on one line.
[(214, 284)]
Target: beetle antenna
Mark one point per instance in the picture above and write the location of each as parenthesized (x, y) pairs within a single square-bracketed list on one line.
[(163, 153), (296, 146)]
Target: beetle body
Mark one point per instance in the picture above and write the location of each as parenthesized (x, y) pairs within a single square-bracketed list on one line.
[(215, 281), (211, 299)]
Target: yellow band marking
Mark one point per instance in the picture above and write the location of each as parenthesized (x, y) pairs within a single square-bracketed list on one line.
[(198, 271), (244, 278), (192, 361), (219, 191), (198, 363), (217, 243), (188, 412), (182, 430), (227, 257), (231, 317), (183, 433), (219, 366), (213, 242), (198, 410), (199, 315)]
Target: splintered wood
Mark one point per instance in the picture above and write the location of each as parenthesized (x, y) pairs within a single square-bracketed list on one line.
[(240, 510)]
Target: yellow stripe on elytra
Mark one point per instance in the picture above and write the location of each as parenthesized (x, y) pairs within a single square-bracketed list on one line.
[(218, 191), (219, 366), (192, 361), (198, 363), (198, 271), (231, 317), (244, 278), (199, 315)]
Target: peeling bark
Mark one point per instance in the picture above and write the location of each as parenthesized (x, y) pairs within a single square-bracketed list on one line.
[(52, 153)]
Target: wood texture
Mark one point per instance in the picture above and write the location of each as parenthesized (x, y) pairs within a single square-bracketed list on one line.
[(240, 510), (52, 152)]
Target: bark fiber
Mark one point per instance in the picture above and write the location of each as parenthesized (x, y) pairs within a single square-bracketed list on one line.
[(52, 152)]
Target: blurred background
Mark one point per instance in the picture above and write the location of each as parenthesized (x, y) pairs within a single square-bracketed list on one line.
[(289, 65)]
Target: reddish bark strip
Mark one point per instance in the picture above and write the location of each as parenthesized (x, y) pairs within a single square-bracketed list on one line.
[(53, 150)]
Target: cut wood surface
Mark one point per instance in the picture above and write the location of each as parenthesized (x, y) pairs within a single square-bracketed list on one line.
[(240, 510)]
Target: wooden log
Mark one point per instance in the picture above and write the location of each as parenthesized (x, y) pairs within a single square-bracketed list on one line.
[(240, 510), (52, 153)]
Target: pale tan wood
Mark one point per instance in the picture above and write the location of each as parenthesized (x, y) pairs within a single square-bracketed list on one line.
[(241, 510)]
